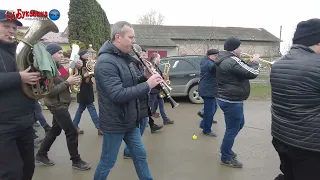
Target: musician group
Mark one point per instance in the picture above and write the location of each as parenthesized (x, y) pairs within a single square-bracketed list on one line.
[(128, 89)]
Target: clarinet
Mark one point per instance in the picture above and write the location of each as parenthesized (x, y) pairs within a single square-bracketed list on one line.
[(164, 87)]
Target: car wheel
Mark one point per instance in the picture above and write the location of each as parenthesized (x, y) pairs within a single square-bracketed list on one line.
[(194, 95)]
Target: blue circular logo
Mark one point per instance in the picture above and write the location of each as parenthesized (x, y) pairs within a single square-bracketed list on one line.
[(54, 14)]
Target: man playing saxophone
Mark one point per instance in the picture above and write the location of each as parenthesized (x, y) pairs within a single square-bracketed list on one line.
[(58, 101), (16, 109)]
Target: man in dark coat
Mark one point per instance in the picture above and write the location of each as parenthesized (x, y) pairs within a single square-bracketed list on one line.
[(208, 90), (16, 109), (119, 90), (295, 105)]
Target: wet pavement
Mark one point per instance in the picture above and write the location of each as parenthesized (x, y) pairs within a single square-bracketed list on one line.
[(172, 153)]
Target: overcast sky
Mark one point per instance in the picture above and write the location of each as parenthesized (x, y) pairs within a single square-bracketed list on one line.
[(245, 13)]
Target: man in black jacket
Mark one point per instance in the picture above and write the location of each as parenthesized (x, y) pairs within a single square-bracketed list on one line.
[(233, 76), (119, 90), (16, 109), (295, 106), (85, 97), (208, 90)]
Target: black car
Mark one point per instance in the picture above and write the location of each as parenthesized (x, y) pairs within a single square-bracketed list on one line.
[(184, 75)]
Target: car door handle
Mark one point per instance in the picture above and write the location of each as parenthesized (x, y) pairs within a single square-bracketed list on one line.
[(192, 74)]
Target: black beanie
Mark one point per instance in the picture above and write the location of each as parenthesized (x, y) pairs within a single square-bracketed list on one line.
[(53, 48), (212, 52), (231, 44), (307, 32), (83, 52)]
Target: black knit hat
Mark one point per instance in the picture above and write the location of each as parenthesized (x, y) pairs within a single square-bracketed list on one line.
[(231, 44), (81, 53), (307, 32), (53, 48), (212, 52)]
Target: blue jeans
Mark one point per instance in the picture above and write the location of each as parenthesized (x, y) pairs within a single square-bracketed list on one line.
[(92, 111), (39, 116), (155, 100), (234, 119), (143, 125), (110, 149), (210, 109)]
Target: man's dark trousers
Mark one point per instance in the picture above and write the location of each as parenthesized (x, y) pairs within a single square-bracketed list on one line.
[(296, 163), (210, 108), (61, 120), (17, 155)]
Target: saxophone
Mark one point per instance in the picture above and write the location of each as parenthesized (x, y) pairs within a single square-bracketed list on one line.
[(25, 57), (165, 77)]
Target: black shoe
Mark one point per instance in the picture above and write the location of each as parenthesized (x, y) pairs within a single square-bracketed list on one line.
[(200, 115), (155, 128), (212, 134), (81, 165), (232, 163), (126, 156), (43, 159), (234, 155), (168, 122)]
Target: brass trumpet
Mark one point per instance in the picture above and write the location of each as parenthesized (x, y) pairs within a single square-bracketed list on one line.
[(269, 63)]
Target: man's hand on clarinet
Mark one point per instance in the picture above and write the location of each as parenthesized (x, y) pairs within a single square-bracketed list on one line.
[(154, 80)]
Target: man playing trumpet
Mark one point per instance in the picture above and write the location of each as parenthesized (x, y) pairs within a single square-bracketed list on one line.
[(233, 76)]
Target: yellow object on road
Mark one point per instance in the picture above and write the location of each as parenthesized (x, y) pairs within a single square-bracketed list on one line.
[(194, 137)]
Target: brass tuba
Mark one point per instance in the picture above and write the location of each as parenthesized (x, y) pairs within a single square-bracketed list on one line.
[(74, 57), (26, 58), (165, 73)]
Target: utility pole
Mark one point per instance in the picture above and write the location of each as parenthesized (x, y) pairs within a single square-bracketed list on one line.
[(280, 32)]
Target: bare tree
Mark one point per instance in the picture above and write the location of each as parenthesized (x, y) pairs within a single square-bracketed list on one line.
[(151, 18), (200, 46)]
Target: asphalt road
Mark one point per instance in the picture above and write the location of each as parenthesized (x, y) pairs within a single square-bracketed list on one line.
[(172, 153)]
